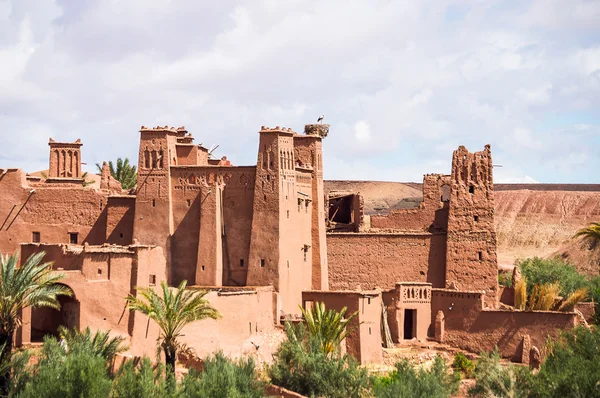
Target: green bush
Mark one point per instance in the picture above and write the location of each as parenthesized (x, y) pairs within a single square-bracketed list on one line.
[(301, 365), (406, 382), (572, 367), (81, 373), (492, 379), (464, 365), (223, 378), (140, 381), (540, 271), (505, 279)]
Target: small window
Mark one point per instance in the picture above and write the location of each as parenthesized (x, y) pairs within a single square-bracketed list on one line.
[(480, 255), (471, 189), (242, 262), (36, 237), (368, 300), (288, 214), (476, 218), (73, 238), (121, 235), (189, 202), (152, 280), (202, 268), (153, 202), (288, 263), (99, 271), (262, 262)]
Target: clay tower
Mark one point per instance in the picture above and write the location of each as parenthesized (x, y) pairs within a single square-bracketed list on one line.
[(471, 262), (65, 159)]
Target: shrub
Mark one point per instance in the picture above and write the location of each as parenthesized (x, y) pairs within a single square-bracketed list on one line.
[(521, 294), (79, 374), (542, 297), (463, 365), (492, 379), (140, 381), (223, 378), (571, 369), (301, 365), (99, 343), (405, 381), (539, 271)]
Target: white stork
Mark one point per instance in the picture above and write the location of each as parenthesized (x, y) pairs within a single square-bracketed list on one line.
[(320, 119)]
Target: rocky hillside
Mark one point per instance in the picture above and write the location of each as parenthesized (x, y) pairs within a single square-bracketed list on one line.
[(531, 219)]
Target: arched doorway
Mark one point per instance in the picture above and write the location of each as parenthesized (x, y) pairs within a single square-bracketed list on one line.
[(46, 320)]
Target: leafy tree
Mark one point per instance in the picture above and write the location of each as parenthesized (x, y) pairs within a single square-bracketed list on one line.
[(100, 343), (223, 378), (406, 382), (125, 173), (329, 325), (302, 366), (30, 285), (172, 311)]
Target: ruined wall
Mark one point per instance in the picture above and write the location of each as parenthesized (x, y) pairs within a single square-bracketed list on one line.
[(472, 328), (430, 216), (471, 248), (380, 260)]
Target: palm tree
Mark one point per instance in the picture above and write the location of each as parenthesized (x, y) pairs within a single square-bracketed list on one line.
[(591, 232), (30, 285), (125, 173), (172, 311), (329, 326)]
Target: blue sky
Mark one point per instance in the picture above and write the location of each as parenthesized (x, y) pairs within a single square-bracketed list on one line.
[(402, 83)]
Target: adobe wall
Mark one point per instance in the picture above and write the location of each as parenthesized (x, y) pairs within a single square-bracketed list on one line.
[(371, 260), (120, 213), (364, 340), (472, 328), (432, 214), (409, 296), (247, 318), (53, 210), (101, 278)]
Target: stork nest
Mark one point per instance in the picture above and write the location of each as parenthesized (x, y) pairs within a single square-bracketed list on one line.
[(317, 129)]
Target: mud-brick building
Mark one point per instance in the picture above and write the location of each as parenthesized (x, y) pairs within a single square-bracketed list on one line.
[(264, 239)]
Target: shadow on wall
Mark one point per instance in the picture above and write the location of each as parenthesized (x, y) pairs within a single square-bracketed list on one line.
[(184, 243), (97, 235), (436, 270)]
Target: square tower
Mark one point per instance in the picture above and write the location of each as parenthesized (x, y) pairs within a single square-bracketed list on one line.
[(65, 159), (471, 261)]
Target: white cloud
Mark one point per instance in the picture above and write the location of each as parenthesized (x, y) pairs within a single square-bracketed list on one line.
[(400, 82), (362, 131)]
